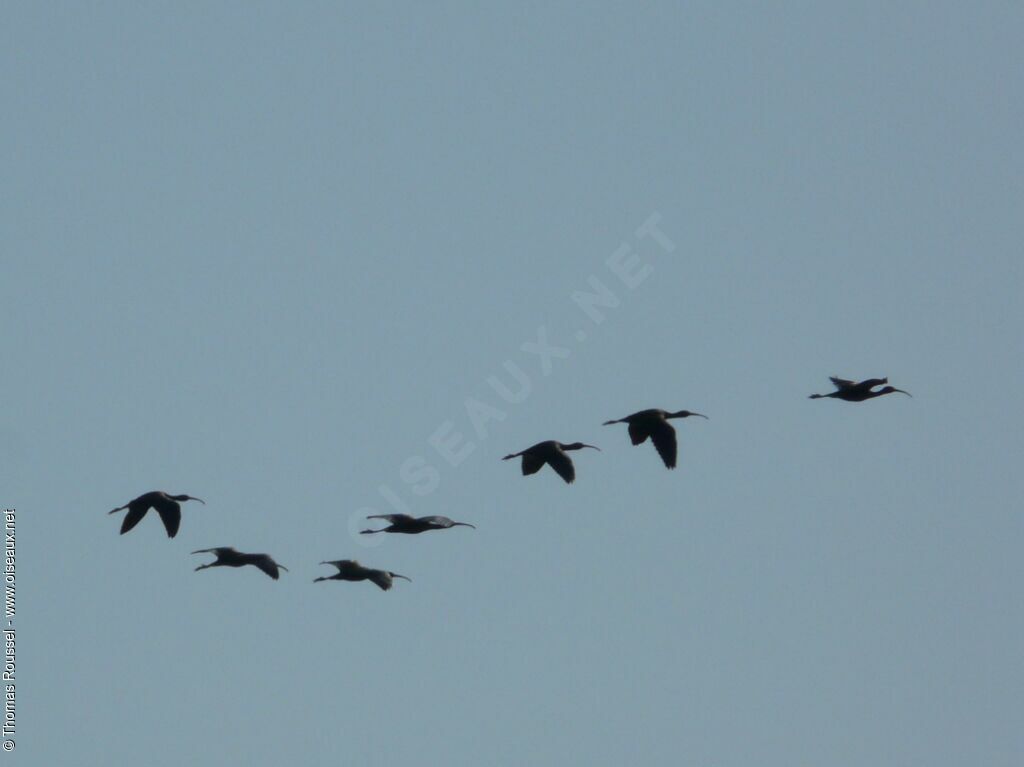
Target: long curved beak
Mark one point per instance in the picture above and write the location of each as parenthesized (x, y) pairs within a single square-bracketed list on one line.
[(903, 392), (701, 415), (193, 498), (464, 524), (595, 448), (284, 568)]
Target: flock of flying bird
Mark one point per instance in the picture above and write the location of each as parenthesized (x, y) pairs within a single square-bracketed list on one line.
[(650, 424)]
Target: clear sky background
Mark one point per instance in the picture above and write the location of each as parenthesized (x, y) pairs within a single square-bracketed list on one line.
[(260, 253)]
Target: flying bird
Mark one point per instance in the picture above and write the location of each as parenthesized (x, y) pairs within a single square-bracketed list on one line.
[(404, 523), (552, 453), (853, 391), (166, 505), (350, 570), (229, 557), (654, 423)]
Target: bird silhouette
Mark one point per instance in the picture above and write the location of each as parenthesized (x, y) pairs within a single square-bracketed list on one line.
[(404, 523), (229, 557), (552, 453), (166, 505), (351, 570), (853, 391), (654, 423)]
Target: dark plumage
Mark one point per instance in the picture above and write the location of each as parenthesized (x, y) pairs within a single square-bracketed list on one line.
[(654, 423), (351, 570), (552, 453), (404, 523), (166, 505), (852, 391), (229, 557)]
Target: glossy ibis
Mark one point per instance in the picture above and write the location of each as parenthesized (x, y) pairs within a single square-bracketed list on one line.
[(350, 570), (853, 391), (404, 523), (229, 557), (654, 423), (166, 505), (552, 453)]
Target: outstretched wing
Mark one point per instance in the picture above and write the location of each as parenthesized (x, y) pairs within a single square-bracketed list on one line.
[(343, 565), (437, 521), (395, 519), (663, 435), (562, 463), (531, 463), (136, 511), (872, 382), (266, 564), (381, 577), (841, 383), (170, 514), (637, 433), (218, 550)]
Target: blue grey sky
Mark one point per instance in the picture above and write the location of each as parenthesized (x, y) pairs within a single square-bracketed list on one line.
[(264, 253)]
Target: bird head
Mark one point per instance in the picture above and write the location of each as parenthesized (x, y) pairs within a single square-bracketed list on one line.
[(187, 498), (891, 389), (578, 446), (686, 414)]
